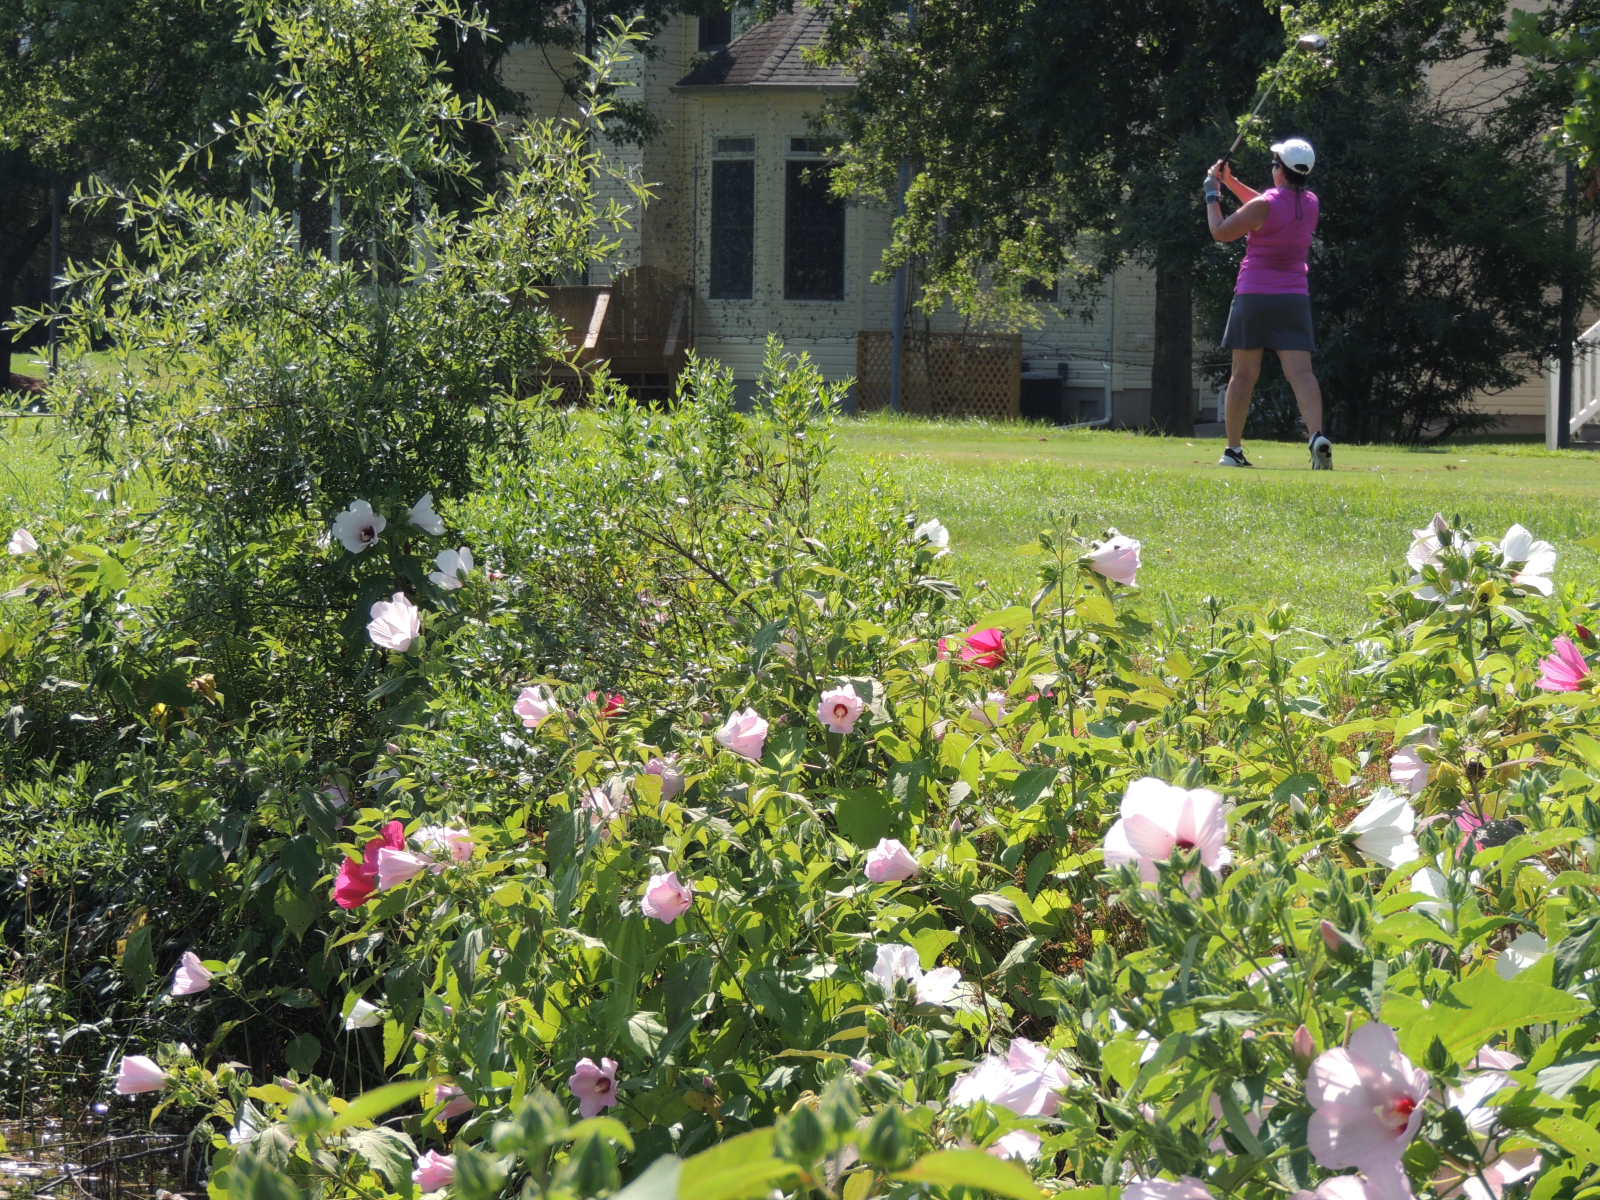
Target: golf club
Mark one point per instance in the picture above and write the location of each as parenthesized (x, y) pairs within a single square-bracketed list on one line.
[(1306, 41)]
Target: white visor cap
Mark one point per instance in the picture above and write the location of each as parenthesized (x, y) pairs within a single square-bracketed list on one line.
[(1296, 154)]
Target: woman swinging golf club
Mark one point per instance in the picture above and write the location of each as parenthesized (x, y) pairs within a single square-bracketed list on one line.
[(1271, 299)]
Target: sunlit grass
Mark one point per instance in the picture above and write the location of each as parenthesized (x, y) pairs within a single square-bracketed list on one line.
[(1278, 533)]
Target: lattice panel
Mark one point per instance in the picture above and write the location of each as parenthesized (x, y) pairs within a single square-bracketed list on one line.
[(944, 374)]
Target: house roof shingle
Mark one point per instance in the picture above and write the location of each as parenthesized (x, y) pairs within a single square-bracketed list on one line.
[(771, 54)]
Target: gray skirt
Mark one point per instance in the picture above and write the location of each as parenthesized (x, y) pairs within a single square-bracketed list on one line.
[(1262, 321)]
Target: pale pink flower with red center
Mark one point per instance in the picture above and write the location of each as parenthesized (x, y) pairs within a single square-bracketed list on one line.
[(889, 862), (1565, 670), (358, 527), (745, 733), (602, 807), (455, 1101), (940, 986), (434, 1171), (1368, 1099), (1536, 559), (395, 624), (1158, 820), (446, 841), (1359, 1187), (397, 866), (839, 709), (595, 1085), (191, 975), (422, 515), (1117, 558), (1186, 1188), (137, 1073), (1408, 769), (666, 898), (666, 769), (977, 647), (535, 705), (453, 568), (1027, 1080)]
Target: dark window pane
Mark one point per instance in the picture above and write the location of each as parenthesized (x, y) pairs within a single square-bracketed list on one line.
[(716, 31), (733, 229), (813, 235), (1034, 289)]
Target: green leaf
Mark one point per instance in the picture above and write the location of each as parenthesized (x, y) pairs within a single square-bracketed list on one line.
[(1587, 746), (660, 1182), (1577, 1138), (1482, 1005), (368, 1106), (864, 815), (741, 1168), (138, 959), (388, 1151), (973, 1169), (303, 1052), (605, 1127), (1032, 784), (1559, 1080)]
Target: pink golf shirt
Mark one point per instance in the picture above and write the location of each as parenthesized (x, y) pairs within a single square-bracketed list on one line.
[(1275, 255)]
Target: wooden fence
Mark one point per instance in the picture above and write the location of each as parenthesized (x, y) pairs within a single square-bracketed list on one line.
[(943, 374)]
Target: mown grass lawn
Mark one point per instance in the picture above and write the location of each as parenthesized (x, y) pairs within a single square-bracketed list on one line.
[(1280, 532)]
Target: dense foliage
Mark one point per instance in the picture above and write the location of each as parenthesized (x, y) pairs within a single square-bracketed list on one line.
[(436, 790)]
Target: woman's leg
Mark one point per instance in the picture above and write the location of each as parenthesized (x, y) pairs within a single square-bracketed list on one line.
[(1307, 391), (1241, 385)]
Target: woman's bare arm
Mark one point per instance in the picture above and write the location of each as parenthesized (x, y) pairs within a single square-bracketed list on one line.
[(1246, 220), (1239, 188)]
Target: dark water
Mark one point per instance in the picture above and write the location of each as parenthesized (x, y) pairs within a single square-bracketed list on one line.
[(89, 1160)]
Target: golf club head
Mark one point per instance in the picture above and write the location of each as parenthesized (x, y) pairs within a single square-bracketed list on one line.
[(1314, 42)]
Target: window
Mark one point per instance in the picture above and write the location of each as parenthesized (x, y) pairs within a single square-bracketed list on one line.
[(733, 219), (716, 31), (813, 233), (1038, 290)]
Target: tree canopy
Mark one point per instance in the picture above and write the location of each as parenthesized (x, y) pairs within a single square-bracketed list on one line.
[(1047, 137)]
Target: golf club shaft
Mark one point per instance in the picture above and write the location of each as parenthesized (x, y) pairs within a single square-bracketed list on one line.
[(1239, 137), (1306, 41)]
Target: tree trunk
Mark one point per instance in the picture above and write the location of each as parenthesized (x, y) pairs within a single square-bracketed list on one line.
[(12, 263), (1172, 368)]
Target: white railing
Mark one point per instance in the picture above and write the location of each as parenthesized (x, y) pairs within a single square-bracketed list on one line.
[(1585, 387)]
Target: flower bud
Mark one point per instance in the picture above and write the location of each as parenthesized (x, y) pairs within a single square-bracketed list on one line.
[(886, 1144), (593, 1170), (1305, 1047), (801, 1138)]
